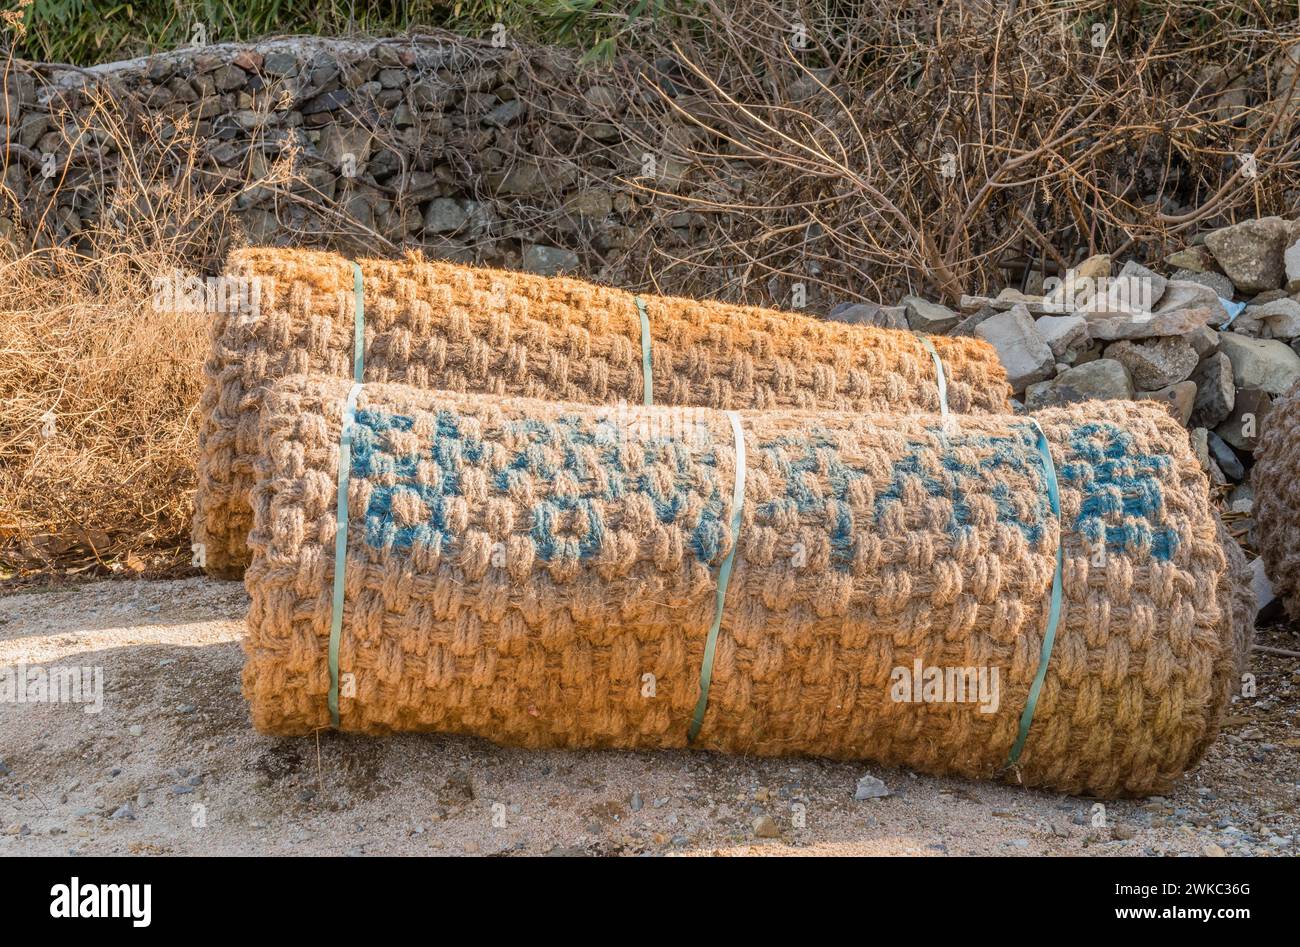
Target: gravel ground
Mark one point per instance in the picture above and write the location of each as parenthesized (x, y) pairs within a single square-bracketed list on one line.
[(171, 766)]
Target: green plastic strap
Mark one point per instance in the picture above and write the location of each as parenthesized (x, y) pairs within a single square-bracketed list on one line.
[(1054, 612), (358, 324), (942, 379), (341, 547), (724, 577), (649, 394)]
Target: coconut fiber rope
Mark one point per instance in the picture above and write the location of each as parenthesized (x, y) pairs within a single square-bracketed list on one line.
[(442, 325), (547, 574), (724, 571), (1276, 482)]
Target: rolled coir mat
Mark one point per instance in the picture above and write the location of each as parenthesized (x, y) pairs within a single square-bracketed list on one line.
[(1042, 599), (1276, 484), (443, 325)]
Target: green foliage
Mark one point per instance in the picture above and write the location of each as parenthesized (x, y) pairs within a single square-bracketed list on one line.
[(84, 32)]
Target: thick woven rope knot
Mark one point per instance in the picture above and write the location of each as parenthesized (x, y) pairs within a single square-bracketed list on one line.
[(1276, 482), (545, 574), (442, 325)]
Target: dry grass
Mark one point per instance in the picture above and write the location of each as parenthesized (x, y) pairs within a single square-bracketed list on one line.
[(97, 433), (99, 384), (892, 148)]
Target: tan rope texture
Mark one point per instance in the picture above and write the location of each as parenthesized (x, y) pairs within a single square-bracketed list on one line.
[(544, 574), (1276, 482), (442, 325)]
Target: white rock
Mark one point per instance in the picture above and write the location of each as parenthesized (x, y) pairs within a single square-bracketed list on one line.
[(1151, 325), (1251, 253), (869, 787), (1204, 339), (1184, 294), (1026, 357), (925, 316), (1279, 319), (1200, 439), (1291, 260), (1221, 285), (1197, 259), (1267, 364), (1062, 332), (1151, 285), (1099, 380), (1157, 363)]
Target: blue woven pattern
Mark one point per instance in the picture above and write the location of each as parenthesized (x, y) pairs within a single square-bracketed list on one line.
[(1123, 503), (997, 458), (549, 451), (1122, 507)]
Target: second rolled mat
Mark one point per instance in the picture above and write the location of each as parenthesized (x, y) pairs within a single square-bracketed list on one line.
[(1276, 482), (442, 325), (878, 586)]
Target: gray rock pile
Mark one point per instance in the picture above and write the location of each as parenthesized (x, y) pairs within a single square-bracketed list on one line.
[(1215, 336)]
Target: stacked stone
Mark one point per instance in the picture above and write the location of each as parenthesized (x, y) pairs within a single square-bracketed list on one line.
[(1215, 335), (421, 143)]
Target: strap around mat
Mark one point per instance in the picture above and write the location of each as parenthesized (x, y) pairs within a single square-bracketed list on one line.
[(724, 577), (648, 378), (942, 379), (358, 324), (1054, 612), (341, 547)]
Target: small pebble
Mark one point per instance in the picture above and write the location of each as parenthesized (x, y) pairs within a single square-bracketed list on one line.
[(869, 787)]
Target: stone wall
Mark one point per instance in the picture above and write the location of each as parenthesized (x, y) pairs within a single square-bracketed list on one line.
[(508, 157)]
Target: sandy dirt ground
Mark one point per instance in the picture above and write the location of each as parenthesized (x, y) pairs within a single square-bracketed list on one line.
[(170, 765)]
